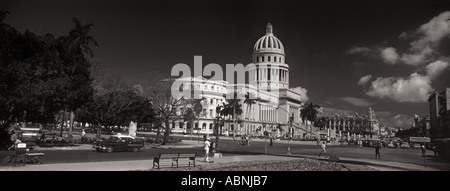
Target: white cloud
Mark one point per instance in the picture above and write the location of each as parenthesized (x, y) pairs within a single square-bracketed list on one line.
[(418, 57), (416, 88), (356, 101), (302, 92), (363, 80), (436, 68), (433, 31), (389, 55), (430, 36), (359, 50)]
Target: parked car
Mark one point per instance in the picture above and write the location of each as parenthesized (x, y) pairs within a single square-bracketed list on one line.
[(120, 143), (416, 146), (391, 145), (404, 145)]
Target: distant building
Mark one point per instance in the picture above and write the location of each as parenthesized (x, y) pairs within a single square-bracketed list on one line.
[(440, 114), (351, 125)]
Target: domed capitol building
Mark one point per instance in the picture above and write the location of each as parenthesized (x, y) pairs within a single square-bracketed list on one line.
[(275, 105), (271, 110)]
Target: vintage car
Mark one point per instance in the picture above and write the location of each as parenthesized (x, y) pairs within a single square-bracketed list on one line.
[(404, 145), (119, 143), (391, 145)]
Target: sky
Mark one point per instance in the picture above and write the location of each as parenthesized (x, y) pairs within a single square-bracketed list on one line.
[(343, 55)]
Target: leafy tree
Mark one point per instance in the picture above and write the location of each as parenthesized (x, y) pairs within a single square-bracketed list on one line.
[(157, 88), (77, 54), (309, 112), (249, 102), (234, 108)]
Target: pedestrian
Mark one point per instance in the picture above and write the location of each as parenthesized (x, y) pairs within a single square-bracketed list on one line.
[(271, 141), (42, 139), (212, 148), (83, 136), (207, 147), (422, 147), (377, 150), (323, 149)]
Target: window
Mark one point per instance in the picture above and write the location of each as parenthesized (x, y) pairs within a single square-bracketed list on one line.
[(210, 126), (180, 125), (211, 112), (268, 59), (212, 87), (204, 126), (173, 125), (212, 101), (262, 59)]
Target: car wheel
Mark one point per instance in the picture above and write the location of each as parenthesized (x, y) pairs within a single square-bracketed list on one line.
[(109, 149), (37, 160), (135, 149)]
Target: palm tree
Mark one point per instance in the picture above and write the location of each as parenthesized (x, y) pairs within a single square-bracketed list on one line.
[(249, 103), (309, 112), (235, 106), (79, 42)]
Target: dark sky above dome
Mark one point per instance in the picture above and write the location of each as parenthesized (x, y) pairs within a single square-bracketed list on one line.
[(346, 54)]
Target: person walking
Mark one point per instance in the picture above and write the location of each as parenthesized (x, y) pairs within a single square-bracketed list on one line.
[(323, 149), (83, 136), (207, 146), (377, 150), (422, 147)]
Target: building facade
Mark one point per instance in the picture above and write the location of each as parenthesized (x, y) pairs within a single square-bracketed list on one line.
[(440, 114), (276, 104)]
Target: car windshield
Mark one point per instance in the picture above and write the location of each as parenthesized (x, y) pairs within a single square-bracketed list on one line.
[(114, 139)]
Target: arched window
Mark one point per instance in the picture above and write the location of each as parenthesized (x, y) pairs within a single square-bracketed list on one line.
[(262, 59), (268, 58), (204, 126), (210, 126), (180, 125)]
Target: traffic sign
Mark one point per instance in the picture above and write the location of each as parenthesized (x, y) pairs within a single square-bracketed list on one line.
[(420, 139)]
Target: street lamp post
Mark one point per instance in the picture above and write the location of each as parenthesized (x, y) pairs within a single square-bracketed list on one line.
[(217, 122), (291, 119)]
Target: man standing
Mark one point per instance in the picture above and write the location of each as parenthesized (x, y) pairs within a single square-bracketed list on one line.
[(207, 145), (83, 136), (377, 150), (324, 149), (422, 147)]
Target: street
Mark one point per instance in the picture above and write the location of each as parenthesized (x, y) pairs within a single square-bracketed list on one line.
[(229, 148)]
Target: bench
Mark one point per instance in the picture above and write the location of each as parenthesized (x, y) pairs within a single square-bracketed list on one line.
[(174, 159)]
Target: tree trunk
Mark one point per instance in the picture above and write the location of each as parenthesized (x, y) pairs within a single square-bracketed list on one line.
[(71, 126), (24, 119), (166, 132), (62, 122)]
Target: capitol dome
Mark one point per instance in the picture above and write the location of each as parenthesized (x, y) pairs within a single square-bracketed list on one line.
[(268, 43)]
